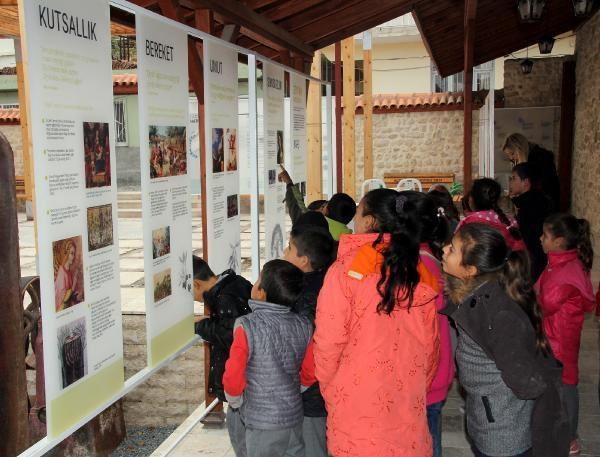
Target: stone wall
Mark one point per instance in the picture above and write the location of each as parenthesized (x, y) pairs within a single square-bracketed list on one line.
[(172, 393), (542, 87), (586, 163), (13, 135), (416, 142)]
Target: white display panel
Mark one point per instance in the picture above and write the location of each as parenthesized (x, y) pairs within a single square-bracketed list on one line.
[(274, 155), (68, 58), (222, 158), (166, 205)]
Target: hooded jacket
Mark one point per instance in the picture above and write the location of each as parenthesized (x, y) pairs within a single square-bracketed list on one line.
[(565, 294), (511, 379), (374, 369)]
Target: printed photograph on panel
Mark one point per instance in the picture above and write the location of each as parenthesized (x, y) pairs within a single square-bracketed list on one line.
[(276, 247), (100, 227), (161, 242), (280, 153), (162, 285), (232, 206), (68, 272), (96, 147), (168, 153), (303, 188), (272, 177), (231, 140), (71, 339), (218, 151)]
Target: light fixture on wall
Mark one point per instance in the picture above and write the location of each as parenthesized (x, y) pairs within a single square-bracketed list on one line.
[(531, 10), (546, 44), (583, 7), (526, 64)]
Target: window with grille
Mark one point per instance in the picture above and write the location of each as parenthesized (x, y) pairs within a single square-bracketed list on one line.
[(9, 105), (454, 83), (120, 122)]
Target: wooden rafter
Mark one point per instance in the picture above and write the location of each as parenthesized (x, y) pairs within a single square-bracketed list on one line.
[(247, 18)]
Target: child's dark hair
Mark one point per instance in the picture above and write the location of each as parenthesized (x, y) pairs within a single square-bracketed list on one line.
[(282, 282), (316, 205), (485, 194), (341, 207), (202, 271), (485, 249), (576, 233), (434, 228), (395, 215), (314, 243), (443, 199), (525, 171)]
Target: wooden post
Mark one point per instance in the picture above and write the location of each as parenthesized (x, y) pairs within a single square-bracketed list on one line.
[(339, 161), (367, 106), (349, 104), (314, 178), (469, 26), (25, 135), (567, 124)]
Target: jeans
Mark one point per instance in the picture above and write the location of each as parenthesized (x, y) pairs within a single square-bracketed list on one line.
[(572, 400), (434, 420), (527, 453)]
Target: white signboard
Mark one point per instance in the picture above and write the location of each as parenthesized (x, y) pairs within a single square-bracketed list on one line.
[(274, 156), (298, 162), (167, 222), (72, 126), (193, 152), (222, 158)]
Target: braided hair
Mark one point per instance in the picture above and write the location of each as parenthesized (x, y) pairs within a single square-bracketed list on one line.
[(486, 194)]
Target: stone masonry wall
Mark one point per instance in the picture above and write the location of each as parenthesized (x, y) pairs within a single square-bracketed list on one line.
[(586, 159), (13, 135), (542, 87), (172, 393), (416, 142)]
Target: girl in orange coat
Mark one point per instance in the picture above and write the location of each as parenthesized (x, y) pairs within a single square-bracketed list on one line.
[(376, 342)]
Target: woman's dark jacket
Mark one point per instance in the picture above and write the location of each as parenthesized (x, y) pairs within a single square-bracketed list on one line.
[(503, 331), (542, 162), (227, 300)]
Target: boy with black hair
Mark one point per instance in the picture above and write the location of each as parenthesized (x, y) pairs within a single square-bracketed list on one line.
[(310, 249), (226, 296), (532, 209), (262, 375), (338, 211)]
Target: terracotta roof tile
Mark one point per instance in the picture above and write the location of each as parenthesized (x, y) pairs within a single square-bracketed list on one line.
[(9, 115), (382, 102), (125, 79)]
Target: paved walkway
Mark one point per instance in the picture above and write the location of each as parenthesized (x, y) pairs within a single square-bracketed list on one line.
[(215, 442)]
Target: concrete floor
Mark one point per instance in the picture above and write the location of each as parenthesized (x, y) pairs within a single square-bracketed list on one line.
[(215, 442)]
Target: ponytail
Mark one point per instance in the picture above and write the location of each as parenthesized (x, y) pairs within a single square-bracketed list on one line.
[(395, 215), (486, 250), (486, 194), (576, 233), (510, 226), (515, 279)]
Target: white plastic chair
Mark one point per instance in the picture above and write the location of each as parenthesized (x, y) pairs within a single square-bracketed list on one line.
[(371, 184), (409, 184), (438, 184)]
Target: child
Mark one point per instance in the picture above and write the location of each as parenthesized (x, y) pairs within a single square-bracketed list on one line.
[(433, 236), (376, 339), (442, 198), (483, 199), (565, 293), (310, 250), (503, 359), (262, 375), (339, 210), (226, 297), (532, 209)]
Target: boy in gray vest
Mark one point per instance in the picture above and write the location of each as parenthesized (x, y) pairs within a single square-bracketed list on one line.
[(262, 374)]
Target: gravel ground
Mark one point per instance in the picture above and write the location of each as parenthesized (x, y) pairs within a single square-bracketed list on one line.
[(142, 441)]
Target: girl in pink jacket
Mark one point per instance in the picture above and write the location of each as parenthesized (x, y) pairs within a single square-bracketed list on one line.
[(565, 294), (376, 343), (434, 234)]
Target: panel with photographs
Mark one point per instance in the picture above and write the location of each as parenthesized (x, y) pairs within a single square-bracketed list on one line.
[(100, 227), (68, 272), (162, 285), (168, 151), (72, 345), (161, 242), (96, 146), (218, 151)]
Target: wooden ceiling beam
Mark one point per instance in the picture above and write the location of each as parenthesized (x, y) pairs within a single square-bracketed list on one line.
[(288, 9), (249, 19), (256, 4)]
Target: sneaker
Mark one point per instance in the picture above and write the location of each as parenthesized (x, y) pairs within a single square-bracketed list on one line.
[(574, 449)]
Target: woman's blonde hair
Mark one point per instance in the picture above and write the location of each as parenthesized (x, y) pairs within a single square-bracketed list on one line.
[(518, 143)]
